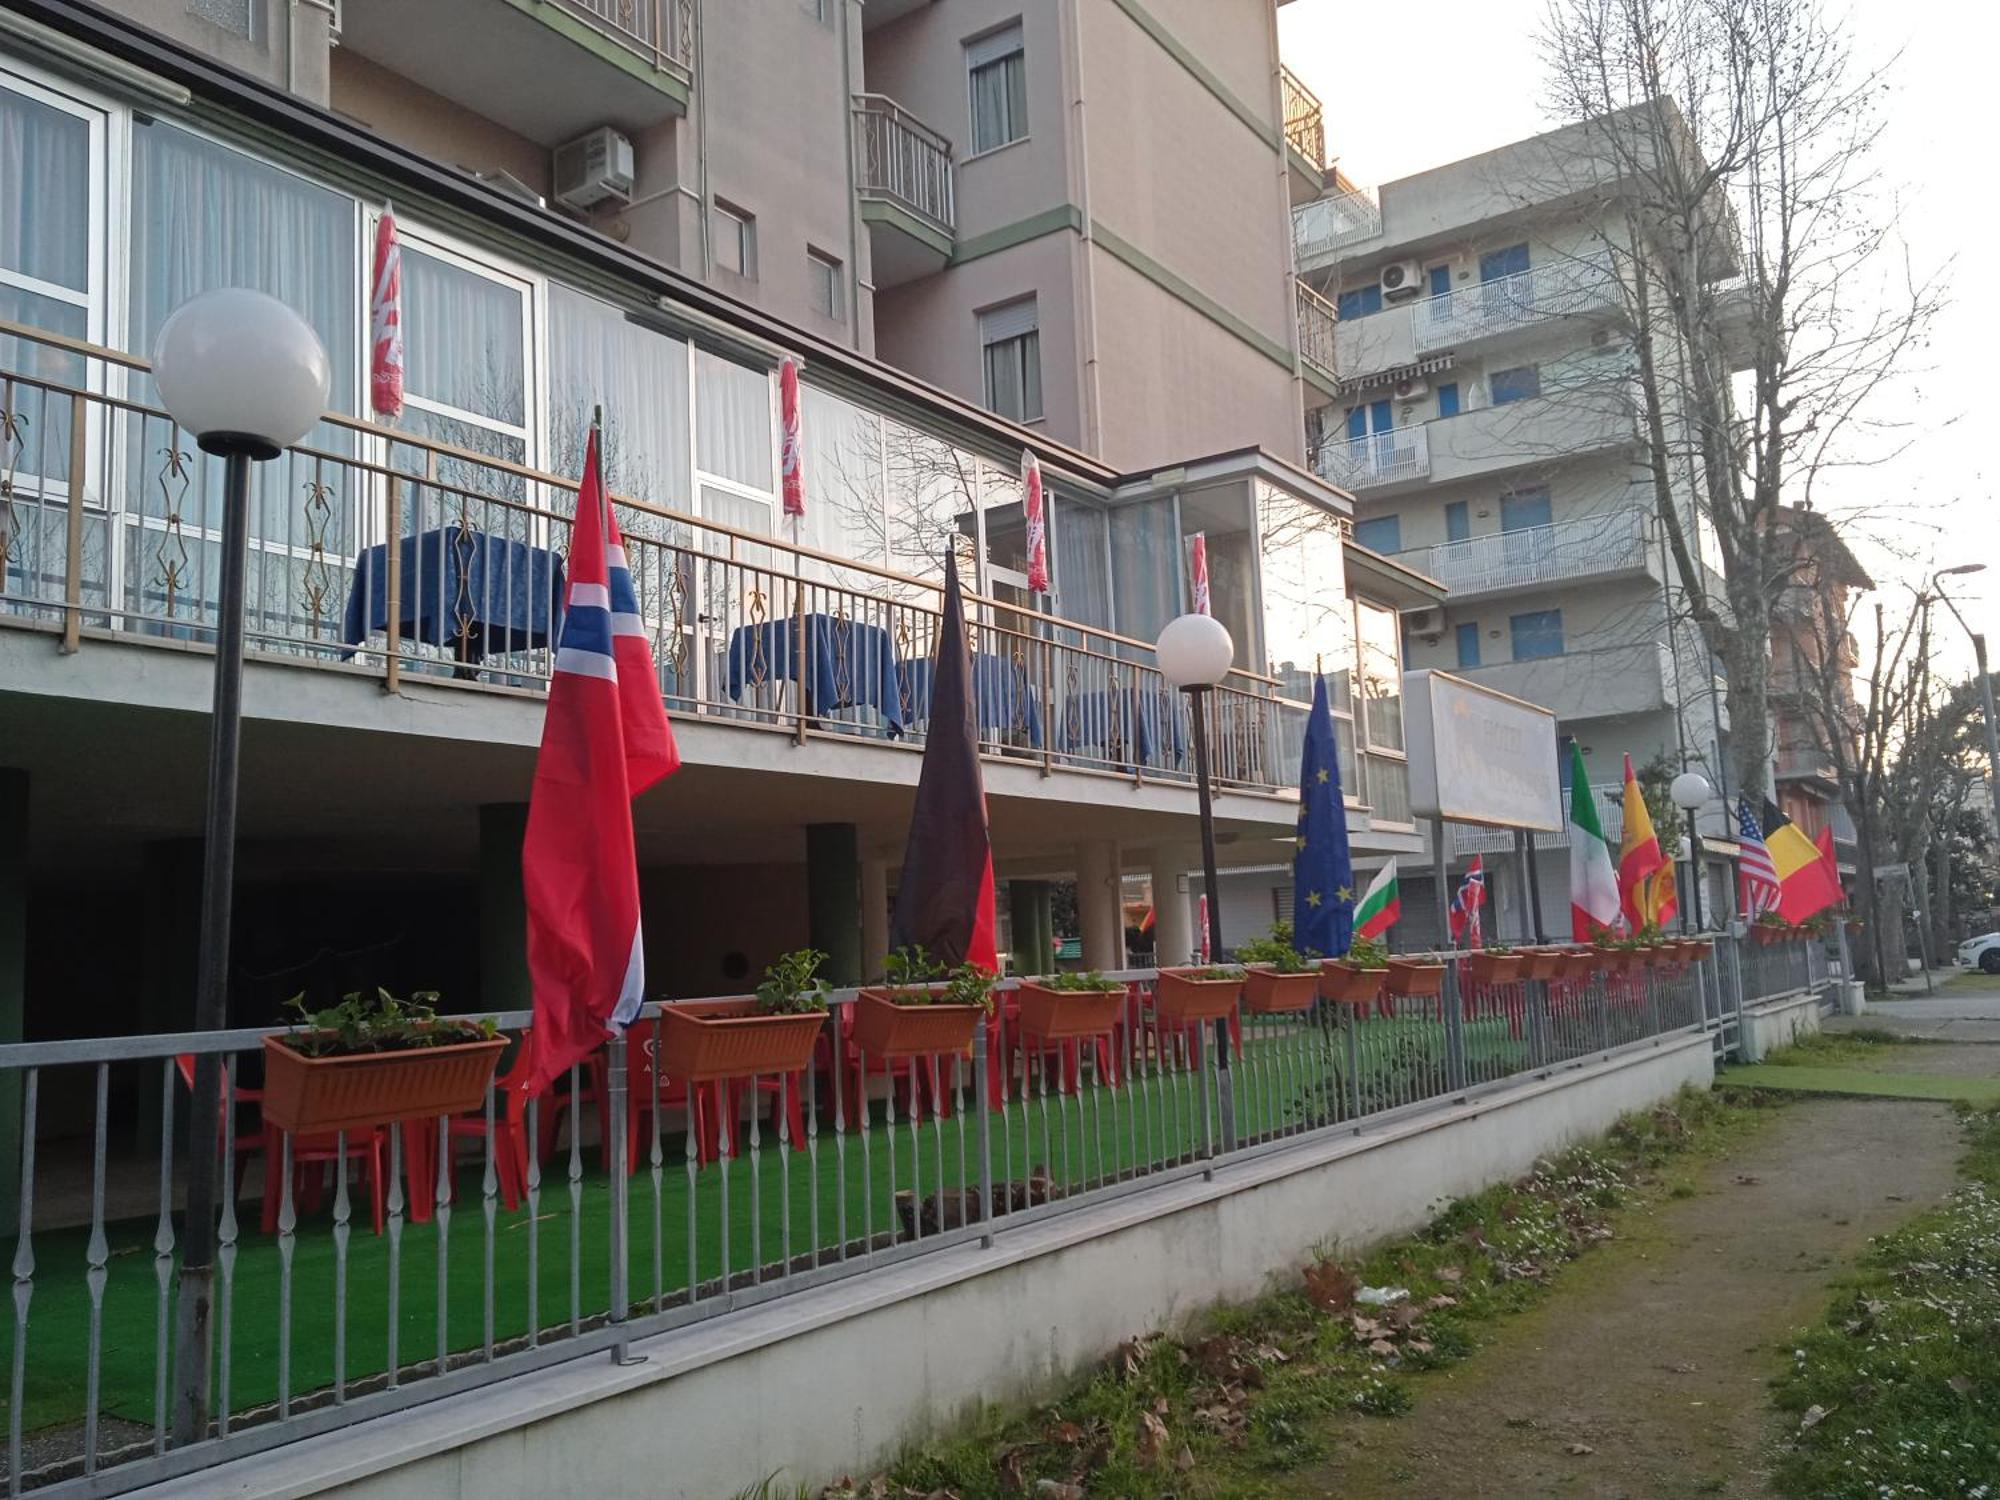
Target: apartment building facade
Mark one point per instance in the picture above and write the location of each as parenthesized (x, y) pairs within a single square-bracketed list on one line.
[(1487, 420), (390, 736)]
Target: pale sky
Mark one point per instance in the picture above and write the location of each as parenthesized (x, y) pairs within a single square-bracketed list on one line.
[(1400, 99)]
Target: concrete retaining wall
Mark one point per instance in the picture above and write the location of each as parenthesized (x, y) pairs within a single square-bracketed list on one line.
[(1778, 1023), (834, 1380)]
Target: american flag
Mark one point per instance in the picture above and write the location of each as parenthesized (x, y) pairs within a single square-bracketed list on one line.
[(1471, 895), (1756, 877)]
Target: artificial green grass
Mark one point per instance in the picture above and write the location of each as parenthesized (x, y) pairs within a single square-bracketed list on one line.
[(1980, 1092), (1282, 1081)]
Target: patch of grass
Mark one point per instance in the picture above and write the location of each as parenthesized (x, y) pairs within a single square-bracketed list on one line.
[(1859, 1082), (1823, 1049), (1243, 1395), (1897, 1391)]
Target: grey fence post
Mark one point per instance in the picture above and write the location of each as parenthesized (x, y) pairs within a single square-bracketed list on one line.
[(1535, 1001), (1735, 1052), (1454, 1028), (620, 1197), (982, 1093)]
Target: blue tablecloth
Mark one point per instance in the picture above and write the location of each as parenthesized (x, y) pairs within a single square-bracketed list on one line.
[(1005, 699), (506, 595), (846, 664), (1124, 726)]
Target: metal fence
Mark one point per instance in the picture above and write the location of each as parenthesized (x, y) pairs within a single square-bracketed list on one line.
[(659, 31), (897, 155), (378, 551), (366, 1271)]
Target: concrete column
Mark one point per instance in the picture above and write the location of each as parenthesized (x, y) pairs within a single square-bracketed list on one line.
[(13, 977), (834, 899), (1173, 908), (874, 917), (1099, 906), (1034, 931), (503, 911)]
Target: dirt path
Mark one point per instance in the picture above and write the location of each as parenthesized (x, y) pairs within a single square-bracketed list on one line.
[(1644, 1376)]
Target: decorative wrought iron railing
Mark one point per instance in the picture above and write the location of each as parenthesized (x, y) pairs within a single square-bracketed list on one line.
[(1305, 124), (391, 1264), (897, 156), (660, 31), (110, 522), (1317, 321)]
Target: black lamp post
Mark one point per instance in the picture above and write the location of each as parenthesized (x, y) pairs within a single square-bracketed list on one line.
[(1195, 653), (247, 376)]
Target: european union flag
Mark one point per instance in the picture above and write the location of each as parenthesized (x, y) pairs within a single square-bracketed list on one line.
[(1322, 869)]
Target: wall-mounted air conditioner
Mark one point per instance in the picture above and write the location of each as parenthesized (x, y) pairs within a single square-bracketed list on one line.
[(594, 170), (1402, 278)]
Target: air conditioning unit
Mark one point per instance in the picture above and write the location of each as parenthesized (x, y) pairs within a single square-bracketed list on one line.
[(1402, 278), (1412, 389), (1426, 623), (594, 169)]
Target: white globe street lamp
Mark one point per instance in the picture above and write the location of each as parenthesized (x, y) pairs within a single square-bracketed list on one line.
[(1195, 653), (248, 377), (1691, 791)]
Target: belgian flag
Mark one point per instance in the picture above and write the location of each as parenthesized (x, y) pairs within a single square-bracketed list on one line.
[(1807, 885)]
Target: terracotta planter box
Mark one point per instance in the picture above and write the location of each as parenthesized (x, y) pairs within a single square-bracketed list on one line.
[(1616, 960), (1485, 969), (1652, 957), (885, 1029), (1767, 936), (308, 1095), (1266, 992), (704, 1042), (1580, 966), (1410, 981), (1178, 999), (1541, 963), (1065, 1015), (1344, 984), (1694, 951)]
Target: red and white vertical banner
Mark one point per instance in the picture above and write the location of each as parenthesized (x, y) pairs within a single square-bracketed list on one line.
[(1198, 570), (1038, 529), (1201, 938), (385, 320), (791, 458)]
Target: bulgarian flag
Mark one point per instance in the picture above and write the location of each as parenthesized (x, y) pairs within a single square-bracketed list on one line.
[(1593, 883), (1380, 906), (1645, 875)]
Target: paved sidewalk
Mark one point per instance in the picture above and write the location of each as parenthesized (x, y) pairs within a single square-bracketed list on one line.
[(1964, 1011)]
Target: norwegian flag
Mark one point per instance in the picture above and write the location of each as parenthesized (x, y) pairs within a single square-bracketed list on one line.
[(791, 457), (385, 320), (1198, 570), (1038, 529), (1466, 930), (605, 739)]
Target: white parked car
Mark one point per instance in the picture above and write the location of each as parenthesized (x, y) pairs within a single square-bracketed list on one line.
[(1982, 953)]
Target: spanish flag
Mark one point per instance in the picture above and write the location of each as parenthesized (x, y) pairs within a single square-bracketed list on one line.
[(1645, 876), (1807, 885)]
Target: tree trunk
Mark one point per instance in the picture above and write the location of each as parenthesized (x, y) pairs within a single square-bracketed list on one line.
[(1747, 658)]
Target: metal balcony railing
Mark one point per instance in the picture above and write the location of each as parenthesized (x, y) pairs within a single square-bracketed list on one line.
[(1608, 797), (1379, 458), (1317, 320), (1579, 547), (1328, 224), (1305, 122), (660, 31), (1561, 289), (898, 157), (110, 529)]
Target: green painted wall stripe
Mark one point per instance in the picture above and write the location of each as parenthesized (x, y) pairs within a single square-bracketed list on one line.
[(1200, 301), (1007, 236), (588, 37), (1264, 129)]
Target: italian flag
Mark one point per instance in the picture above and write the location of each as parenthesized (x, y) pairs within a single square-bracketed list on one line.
[(1381, 905), (1593, 882)]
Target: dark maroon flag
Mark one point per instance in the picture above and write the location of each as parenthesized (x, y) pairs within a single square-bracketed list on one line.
[(944, 903)]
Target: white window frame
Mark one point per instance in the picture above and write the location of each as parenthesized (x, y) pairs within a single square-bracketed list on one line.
[(986, 345), (819, 261), (746, 236)]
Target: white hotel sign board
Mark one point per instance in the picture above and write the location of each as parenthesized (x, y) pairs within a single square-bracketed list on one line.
[(1477, 756)]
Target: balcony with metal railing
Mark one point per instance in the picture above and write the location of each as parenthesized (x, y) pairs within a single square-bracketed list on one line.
[(110, 533), (1381, 461), (1604, 682), (1325, 226), (1603, 546), (1317, 326), (1561, 289), (1305, 131), (904, 172)]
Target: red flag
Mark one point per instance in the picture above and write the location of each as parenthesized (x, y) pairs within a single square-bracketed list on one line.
[(1825, 845), (1466, 925), (1198, 570), (605, 739), (385, 320), (944, 902), (790, 459), (1038, 531)]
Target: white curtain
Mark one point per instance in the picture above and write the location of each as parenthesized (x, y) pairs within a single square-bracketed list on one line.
[(599, 357), (44, 192), (1077, 545), (732, 420), (844, 460), (462, 339)]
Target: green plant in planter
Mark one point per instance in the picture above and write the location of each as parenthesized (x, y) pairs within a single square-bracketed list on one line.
[(792, 986), (1277, 952), (362, 1022), (1772, 919), (910, 972), (1218, 972), (1091, 983), (1367, 953)]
